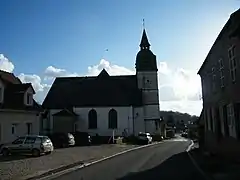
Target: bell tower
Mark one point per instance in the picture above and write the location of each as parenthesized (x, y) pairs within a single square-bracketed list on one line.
[(147, 77)]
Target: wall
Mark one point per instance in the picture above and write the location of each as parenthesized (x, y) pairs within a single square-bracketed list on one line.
[(20, 118), (148, 82), (139, 124), (125, 120)]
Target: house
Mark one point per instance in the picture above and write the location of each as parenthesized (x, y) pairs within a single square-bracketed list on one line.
[(107, 104), (220, 78), (19, 113)]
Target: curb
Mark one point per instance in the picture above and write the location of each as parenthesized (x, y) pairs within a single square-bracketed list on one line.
[(54, 173), (206, 177)]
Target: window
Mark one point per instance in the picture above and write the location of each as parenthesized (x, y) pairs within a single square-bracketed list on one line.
[(112, 119), (231, 120), (92, 119), (230, 112), (30, 140), (14, 128), (19, 140), (1, 94), (213, 80), (232, 63), (29, 99), (221, 70), (29, 128)]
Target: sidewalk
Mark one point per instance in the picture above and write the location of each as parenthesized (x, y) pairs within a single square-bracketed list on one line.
[(215, 167)]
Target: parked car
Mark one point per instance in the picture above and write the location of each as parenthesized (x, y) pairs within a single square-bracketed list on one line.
[(34, 144), (145, 138), (82, 138), (184, 134), (62, 140)]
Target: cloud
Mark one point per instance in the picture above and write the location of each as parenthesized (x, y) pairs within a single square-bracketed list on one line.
[(184, 106), (5, 64), (186, 84), (163, 68), (53, 72), (40, 88), (167, 93), (111, 69)]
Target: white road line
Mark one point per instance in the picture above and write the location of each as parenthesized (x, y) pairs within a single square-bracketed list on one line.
[(195, 163)]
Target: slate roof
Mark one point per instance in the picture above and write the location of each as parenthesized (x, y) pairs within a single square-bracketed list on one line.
[(14, 91), (65, 112), (93, 91)]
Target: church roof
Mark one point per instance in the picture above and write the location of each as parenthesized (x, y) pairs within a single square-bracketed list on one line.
[(94, 91)]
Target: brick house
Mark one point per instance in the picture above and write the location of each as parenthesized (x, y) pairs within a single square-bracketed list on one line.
[(220, 78)]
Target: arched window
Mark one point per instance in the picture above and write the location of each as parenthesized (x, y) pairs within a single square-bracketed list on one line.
[(92, 119), (112, 119)]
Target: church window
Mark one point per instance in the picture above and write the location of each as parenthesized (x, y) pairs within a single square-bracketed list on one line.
[(112, 119), (92, 119)]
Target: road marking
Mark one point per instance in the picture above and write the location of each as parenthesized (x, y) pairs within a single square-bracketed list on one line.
[(190, 146), (60, 173)]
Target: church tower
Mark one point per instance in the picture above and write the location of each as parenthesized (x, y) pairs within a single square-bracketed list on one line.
[(147, 77)]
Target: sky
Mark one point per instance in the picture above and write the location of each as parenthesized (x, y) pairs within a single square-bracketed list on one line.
[(41, 40)]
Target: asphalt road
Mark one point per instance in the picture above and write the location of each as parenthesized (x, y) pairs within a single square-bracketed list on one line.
[(165, 161)]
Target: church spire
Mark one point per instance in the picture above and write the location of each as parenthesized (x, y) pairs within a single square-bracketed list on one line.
[(144, 42)]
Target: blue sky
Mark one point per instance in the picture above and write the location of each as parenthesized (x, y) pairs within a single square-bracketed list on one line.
[(72, 35)]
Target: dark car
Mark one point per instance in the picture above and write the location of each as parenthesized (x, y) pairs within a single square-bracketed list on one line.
[(82, 138), (62, 140)]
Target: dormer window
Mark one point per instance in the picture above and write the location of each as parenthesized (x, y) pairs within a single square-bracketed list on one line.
[(29, 99), (1, 94)]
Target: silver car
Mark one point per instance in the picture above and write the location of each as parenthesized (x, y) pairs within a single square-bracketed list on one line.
[(34, 144), (145, 137)]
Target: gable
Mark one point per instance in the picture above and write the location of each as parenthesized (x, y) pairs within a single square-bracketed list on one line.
[(225, 34)]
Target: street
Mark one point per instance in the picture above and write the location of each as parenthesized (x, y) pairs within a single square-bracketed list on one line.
[(167, 160)]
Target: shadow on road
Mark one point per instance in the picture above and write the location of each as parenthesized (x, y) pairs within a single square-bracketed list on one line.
[(14, 157), (178, 166)]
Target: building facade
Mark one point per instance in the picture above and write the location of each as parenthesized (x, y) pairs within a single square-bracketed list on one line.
[(220, 78), (19, 113), (107, 104)]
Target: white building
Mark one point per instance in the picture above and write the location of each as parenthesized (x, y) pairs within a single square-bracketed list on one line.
[(102, 103), (19, 113)]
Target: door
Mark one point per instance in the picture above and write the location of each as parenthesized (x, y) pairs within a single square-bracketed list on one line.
[(17, 145), (28, 144)]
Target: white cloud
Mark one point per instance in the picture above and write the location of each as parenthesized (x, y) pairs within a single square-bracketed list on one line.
[(5, 64), (40, 88), (111, 69), (53, 72), (163, 68)]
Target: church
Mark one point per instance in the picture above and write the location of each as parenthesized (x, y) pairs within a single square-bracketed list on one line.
[(105, 104)]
